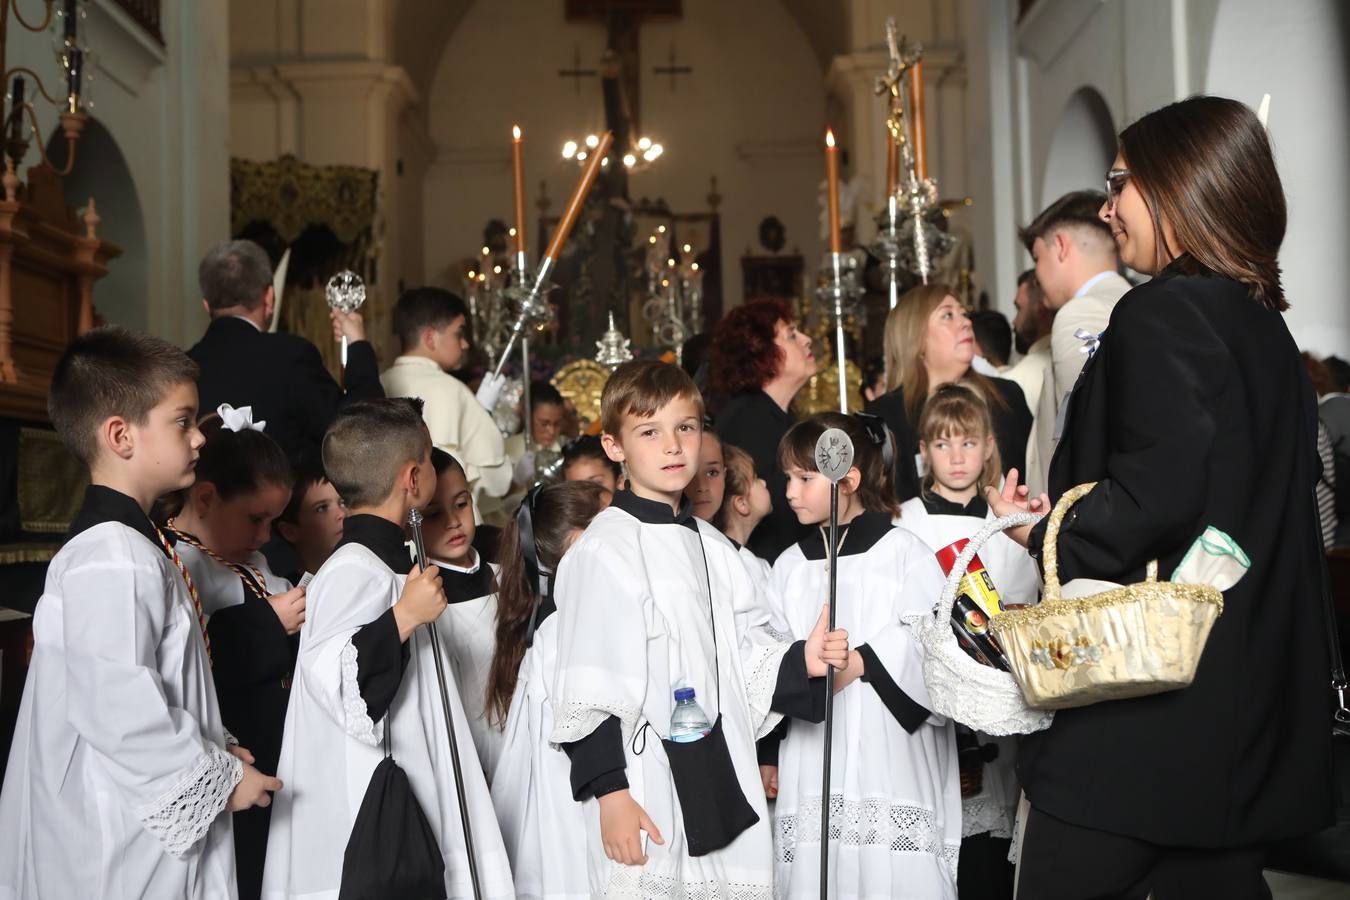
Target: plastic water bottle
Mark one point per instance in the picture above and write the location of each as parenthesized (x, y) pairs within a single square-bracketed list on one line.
[(688, 722)]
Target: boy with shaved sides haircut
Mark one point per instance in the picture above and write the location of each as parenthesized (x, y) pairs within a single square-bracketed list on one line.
[(120, 772), (365, 680), (651, 600)]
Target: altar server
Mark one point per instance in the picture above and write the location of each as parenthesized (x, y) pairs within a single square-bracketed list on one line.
[(120, 775), (365, 672), (960, 454), (651, 600), (253, 616), (542, 826), (745, 503), (468, 627), (894, 801)]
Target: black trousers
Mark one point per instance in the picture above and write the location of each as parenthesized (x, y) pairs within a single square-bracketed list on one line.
[(1067, 862), (984, 872)]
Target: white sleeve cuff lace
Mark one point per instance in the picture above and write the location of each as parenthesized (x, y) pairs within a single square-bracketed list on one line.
[(357, 721), (761, 681), (576, 720), (183, 814)]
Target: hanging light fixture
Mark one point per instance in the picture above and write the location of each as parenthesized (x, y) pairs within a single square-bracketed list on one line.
[(639, 155)]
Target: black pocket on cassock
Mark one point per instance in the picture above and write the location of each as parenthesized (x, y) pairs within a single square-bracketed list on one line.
[(714, 806)]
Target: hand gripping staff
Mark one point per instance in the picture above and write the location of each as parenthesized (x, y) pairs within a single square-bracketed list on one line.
[(415, 523), (834, 457)]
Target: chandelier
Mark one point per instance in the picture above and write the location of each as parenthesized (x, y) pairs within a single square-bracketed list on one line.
[(73, 57), (640, 153)]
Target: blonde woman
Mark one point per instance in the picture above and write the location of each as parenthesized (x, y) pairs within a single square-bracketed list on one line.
[(929, 342)]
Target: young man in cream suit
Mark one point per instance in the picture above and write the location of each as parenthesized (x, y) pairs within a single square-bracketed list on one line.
[(1078, 270)]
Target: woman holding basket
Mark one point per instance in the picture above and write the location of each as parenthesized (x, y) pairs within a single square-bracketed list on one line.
[(1193, 411)]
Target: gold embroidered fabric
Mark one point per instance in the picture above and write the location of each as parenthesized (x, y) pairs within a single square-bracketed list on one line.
[(51, 483), (1125, 641), (291, 195)]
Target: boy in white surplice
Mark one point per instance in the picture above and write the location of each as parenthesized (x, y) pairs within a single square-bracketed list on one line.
[(366, 669), (651, 600), (119, 774)]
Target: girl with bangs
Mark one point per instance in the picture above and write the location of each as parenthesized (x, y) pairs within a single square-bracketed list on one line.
[(894, 801), (961, 460)]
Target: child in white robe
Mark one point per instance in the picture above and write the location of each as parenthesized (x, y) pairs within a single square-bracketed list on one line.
[(894, 805), (651, 600), (366, 669), (745, 503), (956, 439), (706, 491), (468, 627), (119, 775), (542, 826), (253, 616)]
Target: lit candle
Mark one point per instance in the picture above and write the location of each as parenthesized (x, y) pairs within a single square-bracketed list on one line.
[(518, 176), (832, 182), (916, 104), (569, 216), (68, 22), (892, 164)]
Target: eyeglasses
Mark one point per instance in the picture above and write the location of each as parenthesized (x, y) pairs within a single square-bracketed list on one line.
[(1115, 183)]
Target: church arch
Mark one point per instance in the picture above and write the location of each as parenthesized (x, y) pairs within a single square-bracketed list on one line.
[(101, 172), (1082, 146)]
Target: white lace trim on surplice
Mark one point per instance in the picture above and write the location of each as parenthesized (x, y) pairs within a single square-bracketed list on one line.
[(871, 822), (358, 721), (183, 814), (632, 881), (981, 814)]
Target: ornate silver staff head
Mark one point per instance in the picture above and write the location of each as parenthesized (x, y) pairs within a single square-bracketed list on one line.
[(834, 454), (345, 291)]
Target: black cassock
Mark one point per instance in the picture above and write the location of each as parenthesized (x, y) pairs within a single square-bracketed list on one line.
[(1196, 410)]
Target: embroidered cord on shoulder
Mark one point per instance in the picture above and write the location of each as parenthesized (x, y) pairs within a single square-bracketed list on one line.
[(192, 589)]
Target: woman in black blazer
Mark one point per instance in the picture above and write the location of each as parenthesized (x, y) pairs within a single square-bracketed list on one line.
[(929, 341), (1195, 410)]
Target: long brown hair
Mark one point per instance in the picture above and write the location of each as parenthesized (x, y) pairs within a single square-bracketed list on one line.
[(906, 334), (1205, 165), (876, 488), (559, 510)]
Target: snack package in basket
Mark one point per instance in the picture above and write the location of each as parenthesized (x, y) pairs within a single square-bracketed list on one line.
[(977, 601)]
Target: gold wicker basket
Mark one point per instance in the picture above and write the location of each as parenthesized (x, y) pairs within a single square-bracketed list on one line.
[(1126, 641)]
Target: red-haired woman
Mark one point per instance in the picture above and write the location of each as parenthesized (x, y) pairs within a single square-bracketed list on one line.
[(759, 363), (1194, 411)]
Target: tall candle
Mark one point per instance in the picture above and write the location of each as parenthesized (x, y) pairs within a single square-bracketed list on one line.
[(892, 164), (569, 216), (832, 183), (916, 105), (518, 179)]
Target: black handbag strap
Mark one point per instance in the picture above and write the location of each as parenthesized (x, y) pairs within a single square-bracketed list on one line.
[(1341, 717)]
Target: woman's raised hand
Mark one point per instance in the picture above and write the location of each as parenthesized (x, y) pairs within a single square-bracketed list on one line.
[(1015, 498)]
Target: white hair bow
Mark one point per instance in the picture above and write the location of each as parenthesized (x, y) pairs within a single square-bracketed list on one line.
[(240, 419), (1090, 341)]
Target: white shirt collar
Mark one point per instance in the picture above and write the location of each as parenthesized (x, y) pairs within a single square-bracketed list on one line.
[(467, 570), (1087, 285)]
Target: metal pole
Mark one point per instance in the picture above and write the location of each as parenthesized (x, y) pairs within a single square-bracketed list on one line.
[(527, 406), (415, 522), (829, 701)]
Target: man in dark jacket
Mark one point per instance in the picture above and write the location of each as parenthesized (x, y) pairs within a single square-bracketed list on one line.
[(281, 376)]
